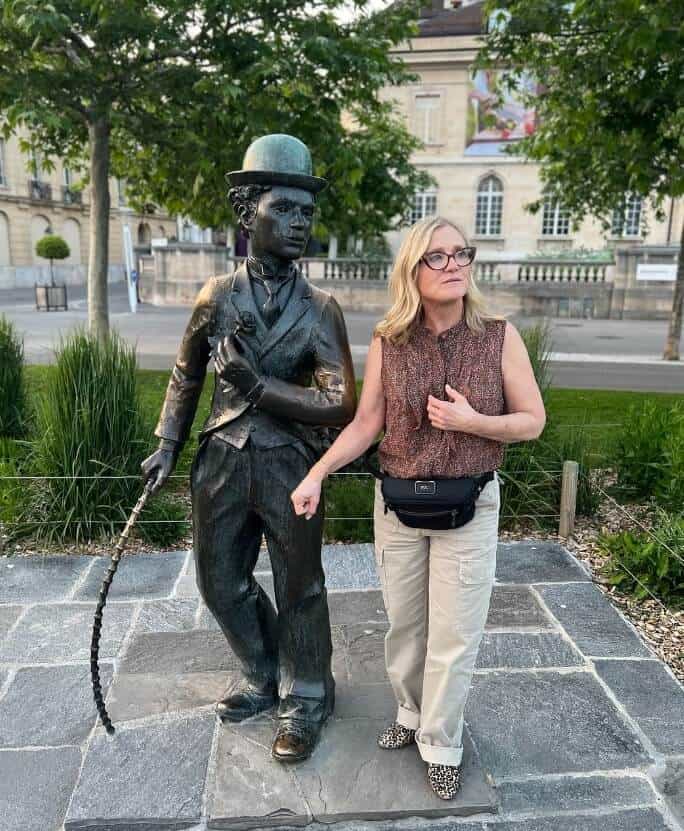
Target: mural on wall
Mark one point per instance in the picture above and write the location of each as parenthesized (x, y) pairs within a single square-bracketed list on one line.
[(491, 126)]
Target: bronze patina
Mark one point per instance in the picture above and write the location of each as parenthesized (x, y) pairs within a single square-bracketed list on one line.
[(284, 377)]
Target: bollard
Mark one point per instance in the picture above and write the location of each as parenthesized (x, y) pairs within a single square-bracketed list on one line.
[(568, 504)]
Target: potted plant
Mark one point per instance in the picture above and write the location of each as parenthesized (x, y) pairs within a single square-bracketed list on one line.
[(53, 297)]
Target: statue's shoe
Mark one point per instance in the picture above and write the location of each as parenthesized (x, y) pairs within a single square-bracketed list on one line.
[(245, 701), (295, 740)]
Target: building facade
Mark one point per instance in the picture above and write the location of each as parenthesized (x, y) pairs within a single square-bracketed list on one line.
[(477, 185), (34, 202)]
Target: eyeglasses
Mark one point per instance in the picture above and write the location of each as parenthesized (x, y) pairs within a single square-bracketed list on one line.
[(439, 261)]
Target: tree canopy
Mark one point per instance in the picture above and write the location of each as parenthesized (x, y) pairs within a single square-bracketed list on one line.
[(169, 94), (610, 102)]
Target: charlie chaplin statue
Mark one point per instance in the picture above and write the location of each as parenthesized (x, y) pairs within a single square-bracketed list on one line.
[(284, 375)]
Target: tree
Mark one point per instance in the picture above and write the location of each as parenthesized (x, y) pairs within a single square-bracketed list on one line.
[(169, 94), (52, 247), (610, 104)]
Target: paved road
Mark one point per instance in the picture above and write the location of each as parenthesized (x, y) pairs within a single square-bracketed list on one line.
[(588, 354)]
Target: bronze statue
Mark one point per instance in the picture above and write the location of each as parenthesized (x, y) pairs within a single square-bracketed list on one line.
[(284, 375)]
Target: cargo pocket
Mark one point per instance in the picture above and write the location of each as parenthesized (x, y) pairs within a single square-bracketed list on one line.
[(477, 572)]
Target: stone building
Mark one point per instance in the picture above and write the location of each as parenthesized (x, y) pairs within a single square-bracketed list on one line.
[(476, 184), (33, 201)]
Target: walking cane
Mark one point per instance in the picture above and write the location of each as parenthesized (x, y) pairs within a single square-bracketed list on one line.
[(104, 591)]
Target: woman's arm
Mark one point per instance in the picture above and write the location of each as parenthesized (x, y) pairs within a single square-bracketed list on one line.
[(525, 418), (354, 440)]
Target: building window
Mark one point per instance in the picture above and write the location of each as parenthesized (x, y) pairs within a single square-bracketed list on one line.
[(3, 177), (489, 208), (427, 118), (37, 159), (555, 220), (68, 177), (627, 220), (121, 190), (424, 204)]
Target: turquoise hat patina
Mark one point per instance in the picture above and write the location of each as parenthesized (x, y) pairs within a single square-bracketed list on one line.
[(277, 159)]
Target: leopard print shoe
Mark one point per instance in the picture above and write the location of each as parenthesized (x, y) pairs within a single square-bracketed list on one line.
[(445, 780), (396, 736)]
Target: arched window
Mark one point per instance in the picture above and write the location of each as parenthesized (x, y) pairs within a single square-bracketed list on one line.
[(144, 234), (489, 207), (71, 231), (555, 220), (5, 255)]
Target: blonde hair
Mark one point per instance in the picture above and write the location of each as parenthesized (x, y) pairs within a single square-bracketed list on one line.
[(407, 306)]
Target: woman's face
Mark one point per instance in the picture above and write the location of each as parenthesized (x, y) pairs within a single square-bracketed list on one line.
[(452, 283)]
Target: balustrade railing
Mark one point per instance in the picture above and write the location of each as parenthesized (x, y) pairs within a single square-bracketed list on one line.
[(39, 191)]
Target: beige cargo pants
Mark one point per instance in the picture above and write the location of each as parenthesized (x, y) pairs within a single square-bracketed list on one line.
[(436, 587)]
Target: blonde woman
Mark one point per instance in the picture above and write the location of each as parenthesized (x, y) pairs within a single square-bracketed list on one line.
[(450, 384)]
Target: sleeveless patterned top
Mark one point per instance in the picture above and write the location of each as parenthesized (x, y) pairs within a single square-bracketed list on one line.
[(470, 363)]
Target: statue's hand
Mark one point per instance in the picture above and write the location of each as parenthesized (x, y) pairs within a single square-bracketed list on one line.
[(232, 364), (158, 467)]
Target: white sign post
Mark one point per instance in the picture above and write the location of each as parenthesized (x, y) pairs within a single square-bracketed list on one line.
[(129, 262)]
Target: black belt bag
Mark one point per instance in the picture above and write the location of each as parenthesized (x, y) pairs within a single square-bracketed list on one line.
[(434, 504)]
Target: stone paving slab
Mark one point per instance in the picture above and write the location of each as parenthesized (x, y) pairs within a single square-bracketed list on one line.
[(177, 615), (592, 622), (178, 652), (356, 607), (516, 607), (35, 787), (150, 776), (525, 650), (40, 579), (348, 778), (61, 632), (48, 706), (631, 820), (575, 793), (536, 561), (365, 645), (670, 783), (548, 723), (138, 576), (9, 615), (139, 695), (652, 697)]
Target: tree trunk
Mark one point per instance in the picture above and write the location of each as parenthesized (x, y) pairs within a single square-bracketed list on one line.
[(674, 333), (98, 259)]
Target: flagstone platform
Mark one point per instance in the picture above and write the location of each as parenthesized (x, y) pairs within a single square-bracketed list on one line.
[(572, 723)]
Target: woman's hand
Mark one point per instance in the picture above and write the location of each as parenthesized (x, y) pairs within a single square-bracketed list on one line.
[(306, 496), (456, 414)]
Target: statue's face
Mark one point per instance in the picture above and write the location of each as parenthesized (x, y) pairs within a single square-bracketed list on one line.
[(282, 224)]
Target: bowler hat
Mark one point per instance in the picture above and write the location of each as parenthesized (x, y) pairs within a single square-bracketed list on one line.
[(277, 159)]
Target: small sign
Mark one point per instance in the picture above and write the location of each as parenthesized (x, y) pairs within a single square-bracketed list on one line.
[(659, 271)]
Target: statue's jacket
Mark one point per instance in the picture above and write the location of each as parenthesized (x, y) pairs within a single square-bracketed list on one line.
[(304, 357)]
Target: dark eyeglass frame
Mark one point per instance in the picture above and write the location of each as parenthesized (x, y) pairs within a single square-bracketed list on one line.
[(471, 249)]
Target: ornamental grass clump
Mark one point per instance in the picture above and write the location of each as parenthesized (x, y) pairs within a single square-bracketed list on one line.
[(91, 438), (13, 402)]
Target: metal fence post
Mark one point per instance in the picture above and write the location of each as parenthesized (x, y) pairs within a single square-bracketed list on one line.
[(568, 504)]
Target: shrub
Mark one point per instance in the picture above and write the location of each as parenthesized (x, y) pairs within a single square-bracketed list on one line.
[(90, 441), (13, 403), (643, 562), (649, 454), (52, 247)]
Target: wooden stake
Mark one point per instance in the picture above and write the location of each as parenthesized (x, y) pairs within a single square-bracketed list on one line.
[(568, 505)]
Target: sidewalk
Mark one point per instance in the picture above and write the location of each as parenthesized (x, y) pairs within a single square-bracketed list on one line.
[(573, 724)]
